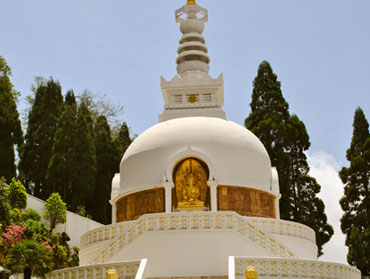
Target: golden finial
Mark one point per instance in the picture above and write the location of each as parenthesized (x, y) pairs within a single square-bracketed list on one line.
[(191, 2), (111, 274), (251, 273)]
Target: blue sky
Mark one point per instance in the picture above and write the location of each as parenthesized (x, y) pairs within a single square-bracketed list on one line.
[(320, 51)]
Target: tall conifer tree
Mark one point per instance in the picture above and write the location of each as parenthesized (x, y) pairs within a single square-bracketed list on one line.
[(285, 138), (106, 153), (355, 222), (42, 125), (267, 121), (85, 164), (307, 208), (123, 139), (62, 167), (10, 127)]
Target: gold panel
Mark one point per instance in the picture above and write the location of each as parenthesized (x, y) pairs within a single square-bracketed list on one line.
[(190, 184), (134, 205), (245, 201)]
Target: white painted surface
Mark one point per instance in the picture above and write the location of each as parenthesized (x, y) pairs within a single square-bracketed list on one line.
[(75, 225), (188, 253), (233, 154)]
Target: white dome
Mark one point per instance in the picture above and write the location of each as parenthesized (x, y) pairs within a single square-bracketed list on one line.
[(233, 154)]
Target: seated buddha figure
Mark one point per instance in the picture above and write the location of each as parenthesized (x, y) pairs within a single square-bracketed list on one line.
[(191, 193)]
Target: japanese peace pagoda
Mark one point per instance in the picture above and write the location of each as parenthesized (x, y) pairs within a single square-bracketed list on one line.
[(196, 195)]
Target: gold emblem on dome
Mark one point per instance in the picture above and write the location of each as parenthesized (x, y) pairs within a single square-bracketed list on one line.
[(192, 98), (191, 2), (191, 184), (251, 273)]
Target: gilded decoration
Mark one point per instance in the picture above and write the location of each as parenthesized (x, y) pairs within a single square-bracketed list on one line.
[(134, 205), (190, 184), (251, 273), (246, 201)]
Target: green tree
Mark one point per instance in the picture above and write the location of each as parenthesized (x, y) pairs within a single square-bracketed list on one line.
[(17, 195), (4, 203), (267, 120), (307, 208), (123, 139), (355, 222), (42, 125), (106, 154), (62, 165), (286, 139), (10, 126), (55, 210), (31, 258), (85, 164)]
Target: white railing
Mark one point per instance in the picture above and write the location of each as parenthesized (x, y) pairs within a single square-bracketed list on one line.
[(282, 227), (268, 225), (269, 268), (104, 233), (192, 221), (125, 270)]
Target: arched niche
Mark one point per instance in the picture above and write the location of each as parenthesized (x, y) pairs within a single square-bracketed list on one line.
[(190, 176)]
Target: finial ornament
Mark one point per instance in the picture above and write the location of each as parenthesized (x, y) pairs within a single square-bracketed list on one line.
[(251, 273), (191, 2)]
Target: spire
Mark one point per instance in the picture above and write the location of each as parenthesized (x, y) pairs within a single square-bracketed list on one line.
[(193, 92), (192, 52)]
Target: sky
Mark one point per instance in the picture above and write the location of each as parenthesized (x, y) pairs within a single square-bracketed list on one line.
[(320, 51)]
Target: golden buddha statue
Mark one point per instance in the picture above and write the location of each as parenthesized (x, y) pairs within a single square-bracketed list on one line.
[(191, 2), (111, 274), (191, 194), (191, 184), (251, 273)]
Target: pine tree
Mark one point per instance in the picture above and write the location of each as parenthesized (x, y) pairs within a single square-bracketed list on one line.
[(106, 167), (85, 164), (10, 127), (62, 166), (307, 208), (42, 125), (123, 139), (355, 222), (267, 121)]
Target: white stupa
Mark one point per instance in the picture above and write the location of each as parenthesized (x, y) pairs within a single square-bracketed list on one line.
[(196, 194)]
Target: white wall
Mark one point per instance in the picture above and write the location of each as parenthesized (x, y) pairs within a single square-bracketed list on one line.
[(75, 226)]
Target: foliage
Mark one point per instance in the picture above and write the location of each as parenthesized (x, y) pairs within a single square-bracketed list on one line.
[(26, 246), (10, 126), (123, 140), (82, 212), (30, 257), (17, 194), (62, 166), (85, 164), (55, 210), (4, 204), (267, 121), (98, 105), (286, 139), (42, 125), (107, 165), (355, 222)]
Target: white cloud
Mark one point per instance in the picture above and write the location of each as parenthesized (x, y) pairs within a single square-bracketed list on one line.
[(325, 169)]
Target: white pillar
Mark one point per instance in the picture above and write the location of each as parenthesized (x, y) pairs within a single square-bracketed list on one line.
[(213, 193), (168, 195), (277, 207)]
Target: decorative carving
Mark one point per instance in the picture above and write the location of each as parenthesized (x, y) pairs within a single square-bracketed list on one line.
[(111, 274), (245, 201), (133, 206), (190, 184)]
